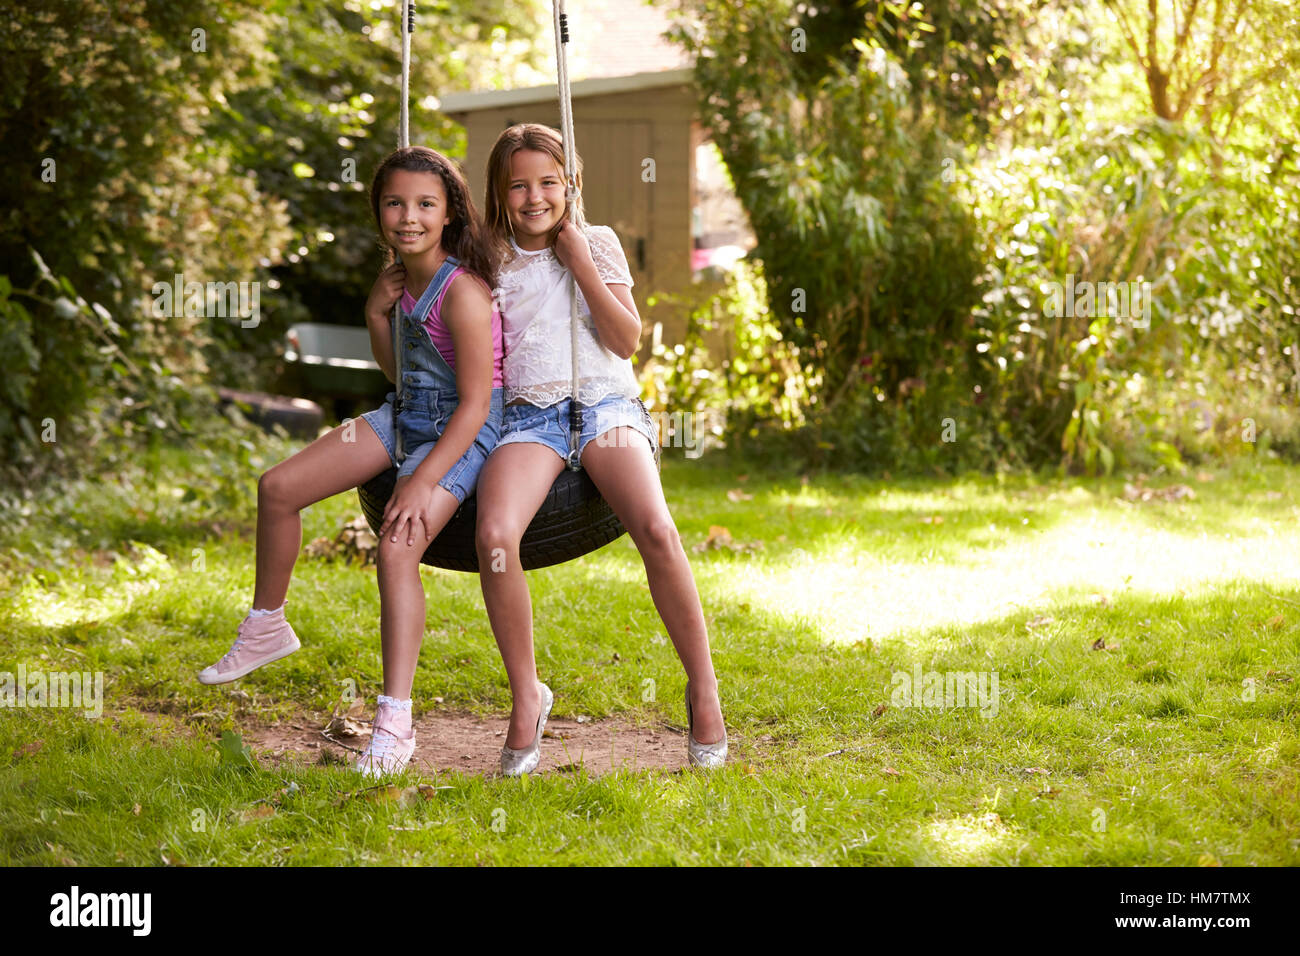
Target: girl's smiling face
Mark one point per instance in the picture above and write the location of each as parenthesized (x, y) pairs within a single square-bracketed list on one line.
[(413, 210), (535, 197)]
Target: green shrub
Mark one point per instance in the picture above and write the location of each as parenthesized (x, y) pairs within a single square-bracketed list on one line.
[(1127, 204)]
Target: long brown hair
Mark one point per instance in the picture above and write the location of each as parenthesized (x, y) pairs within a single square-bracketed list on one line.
[(464, 236), (496, 208)]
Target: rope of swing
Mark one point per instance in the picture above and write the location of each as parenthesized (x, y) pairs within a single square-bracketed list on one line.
[(403, 140), (571, 194)]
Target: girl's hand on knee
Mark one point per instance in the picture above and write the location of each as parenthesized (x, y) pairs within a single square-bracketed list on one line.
[(412, 501)]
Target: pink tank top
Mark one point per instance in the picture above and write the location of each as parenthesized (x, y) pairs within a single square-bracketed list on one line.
[(441, 336)]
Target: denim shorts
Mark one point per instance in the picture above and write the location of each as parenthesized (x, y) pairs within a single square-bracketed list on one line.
[(550, 426), (423, 418)]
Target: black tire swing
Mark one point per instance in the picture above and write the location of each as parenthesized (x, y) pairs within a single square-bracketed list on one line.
[(574, 519)]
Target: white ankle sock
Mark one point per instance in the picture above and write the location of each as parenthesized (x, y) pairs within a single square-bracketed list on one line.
[(256, 612), (400, 720)]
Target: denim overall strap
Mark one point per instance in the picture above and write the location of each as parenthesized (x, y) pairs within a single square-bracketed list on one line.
[(419, 363), (435, 286)]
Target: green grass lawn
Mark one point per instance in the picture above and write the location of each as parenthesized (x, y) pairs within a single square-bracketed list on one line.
[(1176, 744)]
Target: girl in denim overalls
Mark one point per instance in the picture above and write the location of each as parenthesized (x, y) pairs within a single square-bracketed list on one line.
[(527, 214), (449, 420)]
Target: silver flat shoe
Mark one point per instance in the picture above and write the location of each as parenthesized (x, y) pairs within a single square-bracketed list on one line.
[(515, 763), (709, 756)]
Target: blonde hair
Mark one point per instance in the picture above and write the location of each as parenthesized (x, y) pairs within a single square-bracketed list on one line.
[(496, 208)]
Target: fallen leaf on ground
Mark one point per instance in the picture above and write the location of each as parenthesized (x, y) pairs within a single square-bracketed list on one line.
[(1172, 493), (170, 857), (348, 723), (345, 726), (320, 548), (26, 750), (735, 494), (892, 772), (354, 542), (136, 809), (719, 538), (59, 852), (234, 753), (258, 812), (1039, 621), (388, 791), (880, 709)]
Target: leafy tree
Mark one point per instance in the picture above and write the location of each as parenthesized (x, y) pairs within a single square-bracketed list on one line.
[(102, 106), (868, 256), (1211, 56), (208, 140)]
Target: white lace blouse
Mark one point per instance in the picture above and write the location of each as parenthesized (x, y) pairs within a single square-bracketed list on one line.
[(533, 295)]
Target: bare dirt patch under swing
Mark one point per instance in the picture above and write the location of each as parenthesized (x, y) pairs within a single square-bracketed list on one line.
[(468, 743)]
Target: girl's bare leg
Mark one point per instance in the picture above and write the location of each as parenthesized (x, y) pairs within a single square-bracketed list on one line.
[(401, 594), (511, 487), (623, 469), (343, 458)]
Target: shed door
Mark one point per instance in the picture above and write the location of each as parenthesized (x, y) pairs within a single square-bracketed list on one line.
[(613, 193)]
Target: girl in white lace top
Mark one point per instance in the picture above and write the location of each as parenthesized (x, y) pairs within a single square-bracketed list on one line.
[(528, 216), (534, 293)]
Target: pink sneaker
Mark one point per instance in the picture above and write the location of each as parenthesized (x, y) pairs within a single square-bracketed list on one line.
[(392, 742), (262, 638)]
